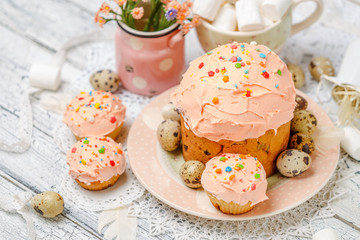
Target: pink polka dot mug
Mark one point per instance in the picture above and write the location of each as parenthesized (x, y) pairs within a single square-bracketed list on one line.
[(148, 63)]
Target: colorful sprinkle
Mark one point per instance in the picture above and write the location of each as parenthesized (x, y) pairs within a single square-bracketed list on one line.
[(83, 162), (222, 159), (240, 166), (231, 177), (239, 59), (217, 70), (238, 65), (233, 59), (86, 141), (201, 65), (211, 73), (102, 150), (209, 53), (215, 100), (113, 119), (77, 109), (218, 170), (228, 169), (225, 79), (253, 187), (257, 176), (73, 150), (97, 105), (242, 46), (279, 72), (265, 74), (246, 71), (223, 70), (233, 47), (262, 55), (277, 85), (112, 163), (248, 92), (262, 64)]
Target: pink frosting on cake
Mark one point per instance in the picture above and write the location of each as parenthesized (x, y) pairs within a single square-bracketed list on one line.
[(95, 113), (236, 92), (235, 178), (95, 159)]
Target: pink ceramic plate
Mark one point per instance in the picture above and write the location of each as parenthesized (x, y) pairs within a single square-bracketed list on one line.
[(157, 170)]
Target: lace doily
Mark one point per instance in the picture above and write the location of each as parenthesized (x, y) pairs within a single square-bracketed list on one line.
[(164, 219), (127, 188)]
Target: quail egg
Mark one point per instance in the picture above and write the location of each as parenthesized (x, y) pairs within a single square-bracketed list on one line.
[(303, 122), (319, 66), (293, 162), (302, 142), (169, 111), (298, 75), (169, 134), (48, 204), (301, 103), (106, 80), (190, 173)]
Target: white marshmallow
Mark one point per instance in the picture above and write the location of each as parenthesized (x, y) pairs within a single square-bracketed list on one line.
[(45, 76), (248, 15), (350, 67), (275, 9), (326, 234), (350, 142), (206, 8), (226, 18)]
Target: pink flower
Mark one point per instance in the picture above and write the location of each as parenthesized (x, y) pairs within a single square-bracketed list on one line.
[(96, 19), (195, 21), (101, 21), (180, 18), (188, 3), (137, 13), (186, 28), (105, 8), (120, 2), (173, 4), (165, 1)]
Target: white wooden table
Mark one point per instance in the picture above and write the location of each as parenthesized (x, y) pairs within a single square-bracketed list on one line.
[(34, 30)]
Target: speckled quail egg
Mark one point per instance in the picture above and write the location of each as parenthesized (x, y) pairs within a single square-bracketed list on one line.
[(190, 173), (169, 111), (302, 142), (301, 103), (48, 204), (293, 162), (106, 80), (321, 65), (303, 122), (169, 134), (298, 75)]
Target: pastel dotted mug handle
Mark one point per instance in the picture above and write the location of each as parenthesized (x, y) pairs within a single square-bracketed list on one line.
[(307, 22)]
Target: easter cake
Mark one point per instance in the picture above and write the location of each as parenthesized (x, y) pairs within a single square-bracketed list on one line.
[(238, 98)]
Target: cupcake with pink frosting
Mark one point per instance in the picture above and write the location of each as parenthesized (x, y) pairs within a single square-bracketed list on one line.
[(96, 162), (235, 183), (95, 113)]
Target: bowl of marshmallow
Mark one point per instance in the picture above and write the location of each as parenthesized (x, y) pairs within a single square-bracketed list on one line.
[(268, 22)]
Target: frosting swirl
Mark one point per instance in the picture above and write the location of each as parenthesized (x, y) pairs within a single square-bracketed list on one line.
[(235, 178), (95, 159), (236, 92), (94, 113)]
